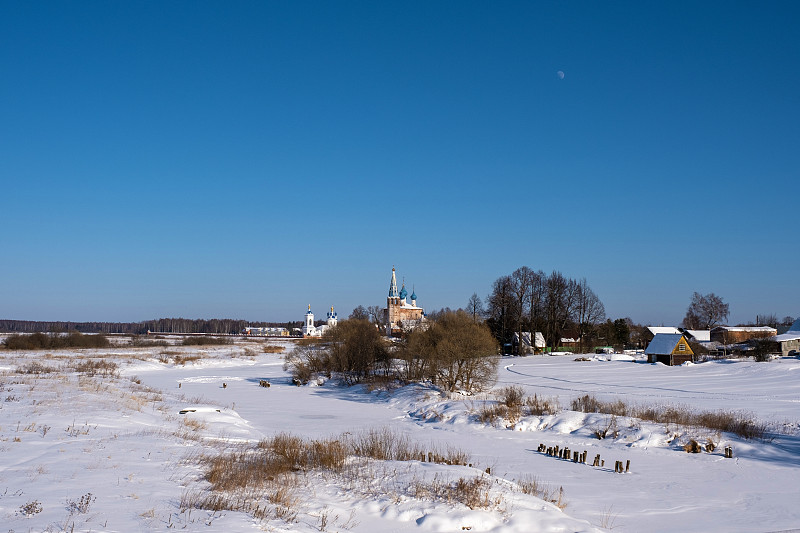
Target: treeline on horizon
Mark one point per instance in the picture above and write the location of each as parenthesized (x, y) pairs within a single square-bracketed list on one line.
[(217, 326)]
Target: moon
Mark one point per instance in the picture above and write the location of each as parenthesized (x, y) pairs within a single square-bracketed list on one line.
[(560, 74)]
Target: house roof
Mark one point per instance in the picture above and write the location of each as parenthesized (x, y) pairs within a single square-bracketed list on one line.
[(663, 343), (656, 330), (526, 339), (765, 329), (792, 334), (700, 335)]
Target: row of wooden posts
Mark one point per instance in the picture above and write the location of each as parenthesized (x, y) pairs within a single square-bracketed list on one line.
[(580, 457)]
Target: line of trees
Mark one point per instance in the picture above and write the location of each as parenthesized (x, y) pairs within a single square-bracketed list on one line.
[(170, 325), (528, 300)]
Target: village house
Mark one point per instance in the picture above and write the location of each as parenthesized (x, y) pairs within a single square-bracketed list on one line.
[(539, 343), (670, 349), (790, 341)]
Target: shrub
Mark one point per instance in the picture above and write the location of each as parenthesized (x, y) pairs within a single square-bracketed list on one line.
[(489, 414), (52, 341), (31, 508), (201, 340), (692, 447), (586, 404), (35, 367), (512, 396), (354, 350), (455, 353), (138, 341)]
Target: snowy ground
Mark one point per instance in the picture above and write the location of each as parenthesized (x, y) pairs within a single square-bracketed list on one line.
[(105, 453)]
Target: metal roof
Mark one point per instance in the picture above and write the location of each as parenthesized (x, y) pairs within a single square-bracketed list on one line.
[(663, 343)]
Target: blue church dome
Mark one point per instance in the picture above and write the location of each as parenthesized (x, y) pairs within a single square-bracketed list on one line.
[(413, 295), (403, 292)]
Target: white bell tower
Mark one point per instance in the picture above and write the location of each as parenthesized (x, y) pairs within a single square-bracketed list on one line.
[(308, 327)]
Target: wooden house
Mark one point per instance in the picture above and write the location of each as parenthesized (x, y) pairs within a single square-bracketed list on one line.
[(669, 348)]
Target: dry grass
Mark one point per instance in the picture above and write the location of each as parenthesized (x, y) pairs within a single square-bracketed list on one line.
[(99, 367), (535, 487), (742, 424), (273, 348), (240, 476), (36, 368), (512, 405), (181, 359), (537, 406), (472, 492)]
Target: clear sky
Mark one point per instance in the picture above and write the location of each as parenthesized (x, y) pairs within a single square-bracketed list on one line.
[(245, 159)]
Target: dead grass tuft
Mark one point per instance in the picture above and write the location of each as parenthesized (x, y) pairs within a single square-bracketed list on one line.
[(36, 368), (273, 348), (472, 492), (542, 406), (95, 367), (545, 491), (181, 359), (512, 405)]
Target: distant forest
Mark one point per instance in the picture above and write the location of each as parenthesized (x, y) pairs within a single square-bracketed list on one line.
[(167, 325)]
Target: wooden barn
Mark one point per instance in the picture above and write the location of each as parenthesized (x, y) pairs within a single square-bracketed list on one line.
[(733, 335), (669, 348)]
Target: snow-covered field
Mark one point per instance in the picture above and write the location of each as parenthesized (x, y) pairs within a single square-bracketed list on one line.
[(82, 452)]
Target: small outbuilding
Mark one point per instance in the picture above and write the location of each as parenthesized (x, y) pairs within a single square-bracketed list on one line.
[(669, 348), (790, 341)]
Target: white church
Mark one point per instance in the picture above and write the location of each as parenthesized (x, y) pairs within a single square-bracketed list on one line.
[(310, 330)]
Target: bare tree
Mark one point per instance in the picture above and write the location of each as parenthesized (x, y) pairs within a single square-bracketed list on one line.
[(705, 311), (475, 306), (501, 309), (770, 320), (375, 314), (588, 309), (359, 313), (559, 304), (536, 303), (520, 287)]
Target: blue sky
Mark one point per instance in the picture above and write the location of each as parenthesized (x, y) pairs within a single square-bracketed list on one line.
[(242, 160)]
